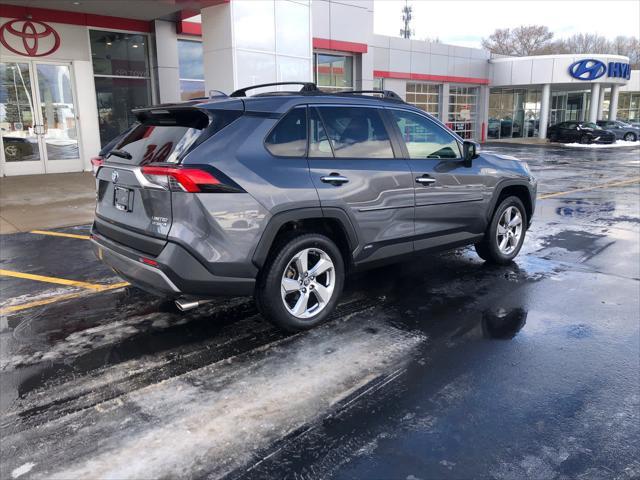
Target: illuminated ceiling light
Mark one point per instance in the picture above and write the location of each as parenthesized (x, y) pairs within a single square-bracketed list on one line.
[(135, 45), (76, 3), (108, 43)]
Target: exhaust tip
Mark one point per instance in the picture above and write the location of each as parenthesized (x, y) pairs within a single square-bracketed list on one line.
[(184, 305)]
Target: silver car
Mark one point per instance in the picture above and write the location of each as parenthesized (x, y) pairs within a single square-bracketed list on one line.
[(622, 130)]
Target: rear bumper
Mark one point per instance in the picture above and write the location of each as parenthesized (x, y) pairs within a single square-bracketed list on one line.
[(177, 272)]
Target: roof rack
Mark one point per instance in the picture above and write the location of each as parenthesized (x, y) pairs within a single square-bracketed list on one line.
[(386, 94), (307, 87)]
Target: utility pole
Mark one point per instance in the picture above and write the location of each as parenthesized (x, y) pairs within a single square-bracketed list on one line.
[(406, 17)]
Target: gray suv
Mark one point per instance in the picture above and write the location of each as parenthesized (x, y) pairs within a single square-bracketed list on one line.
[(280, 194)]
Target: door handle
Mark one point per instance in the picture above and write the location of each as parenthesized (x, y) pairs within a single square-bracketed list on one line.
[(334, 179), (426, 181)]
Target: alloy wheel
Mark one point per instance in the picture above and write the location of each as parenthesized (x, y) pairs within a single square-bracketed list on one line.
[(509, 230), (308, 282)]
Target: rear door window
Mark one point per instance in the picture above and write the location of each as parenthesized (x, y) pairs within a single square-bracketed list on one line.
[(164, 136), (356, 132), (424, 138), (289, 137)]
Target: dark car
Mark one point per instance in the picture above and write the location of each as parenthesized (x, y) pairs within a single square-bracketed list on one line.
[(622, 130), (579, 132), (280, 194)]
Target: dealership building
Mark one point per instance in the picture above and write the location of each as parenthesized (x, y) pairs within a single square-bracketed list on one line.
[(72, 71)]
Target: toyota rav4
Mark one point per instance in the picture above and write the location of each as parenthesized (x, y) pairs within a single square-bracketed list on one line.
[(280, 194)]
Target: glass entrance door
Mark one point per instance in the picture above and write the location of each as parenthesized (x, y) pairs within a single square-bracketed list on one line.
[(38, 119)]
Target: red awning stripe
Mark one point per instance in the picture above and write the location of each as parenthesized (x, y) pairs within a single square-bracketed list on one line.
[(76, 18), (430, 78), (339, 45)]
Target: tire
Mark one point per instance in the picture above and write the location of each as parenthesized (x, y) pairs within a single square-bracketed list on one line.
[(585, 139), (553, 137), (289, 311), (489, 249), (630, 137)]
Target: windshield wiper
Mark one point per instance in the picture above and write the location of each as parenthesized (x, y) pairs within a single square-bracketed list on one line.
[(121, 153)]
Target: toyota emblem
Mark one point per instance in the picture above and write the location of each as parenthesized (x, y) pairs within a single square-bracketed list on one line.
[(114, 176), (29, 37)]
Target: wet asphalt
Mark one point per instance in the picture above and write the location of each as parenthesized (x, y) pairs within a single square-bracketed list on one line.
[(441, 367)]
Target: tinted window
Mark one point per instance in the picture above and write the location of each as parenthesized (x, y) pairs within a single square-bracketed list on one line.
[(424, 138), (319, 145), (289, 137), (356, 132)]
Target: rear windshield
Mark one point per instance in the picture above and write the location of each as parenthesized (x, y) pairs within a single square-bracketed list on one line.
[(164, 136)]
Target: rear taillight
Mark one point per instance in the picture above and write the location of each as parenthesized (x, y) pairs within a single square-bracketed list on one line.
[(192, 180), (96, 162)]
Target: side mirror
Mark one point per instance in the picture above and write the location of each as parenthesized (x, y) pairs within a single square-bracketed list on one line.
[(470, 150)]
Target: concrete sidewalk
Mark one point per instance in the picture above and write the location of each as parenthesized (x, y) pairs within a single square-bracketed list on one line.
[(46, 201)]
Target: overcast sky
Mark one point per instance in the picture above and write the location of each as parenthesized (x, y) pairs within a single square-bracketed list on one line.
[(465, 22)]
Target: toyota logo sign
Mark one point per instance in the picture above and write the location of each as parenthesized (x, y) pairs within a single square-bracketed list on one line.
[(29, 37), (587, 69)]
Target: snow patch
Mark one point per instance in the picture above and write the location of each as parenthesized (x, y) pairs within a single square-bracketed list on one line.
[(26, 468), (618, 143)]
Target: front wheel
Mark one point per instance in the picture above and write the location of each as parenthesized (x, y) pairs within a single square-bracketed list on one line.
[(301, 282), (505, 235), (585, 139)]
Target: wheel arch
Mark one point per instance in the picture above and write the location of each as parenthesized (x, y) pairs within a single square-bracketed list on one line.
[(513, 188), (332, 222)]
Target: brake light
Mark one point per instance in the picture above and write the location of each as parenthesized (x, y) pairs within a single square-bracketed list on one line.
[(181, 179), (148, 261), (96, 162)]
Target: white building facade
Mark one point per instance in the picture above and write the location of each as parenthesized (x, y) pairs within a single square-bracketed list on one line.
[(71, 74)]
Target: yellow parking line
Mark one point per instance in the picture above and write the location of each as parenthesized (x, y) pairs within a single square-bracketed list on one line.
[(585, 189), (59, 281), (60, 234), (57, 298)]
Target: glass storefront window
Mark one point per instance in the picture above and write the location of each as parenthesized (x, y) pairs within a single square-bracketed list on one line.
[(119, 54), (378, 83), (191, 63), (462, 116), (425, 96), (629, 106), (333, 72), (513, 113), (122, 79)]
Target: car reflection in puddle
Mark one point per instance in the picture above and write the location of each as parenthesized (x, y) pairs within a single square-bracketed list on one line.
[(503, 324), (584, 208)]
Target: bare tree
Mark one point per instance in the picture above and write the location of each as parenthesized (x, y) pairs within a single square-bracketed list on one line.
[(629, 47), (520, 41), (587, 43), (538, 40)]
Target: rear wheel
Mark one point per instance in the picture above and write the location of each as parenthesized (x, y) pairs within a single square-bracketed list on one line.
[(505, 235), (630, 137), (553, 137), (300, 285)]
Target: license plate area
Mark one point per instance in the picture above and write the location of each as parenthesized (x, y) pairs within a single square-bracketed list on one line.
[(123, 199)]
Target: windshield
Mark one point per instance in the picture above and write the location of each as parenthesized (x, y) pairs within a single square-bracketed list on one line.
[(589, 125)]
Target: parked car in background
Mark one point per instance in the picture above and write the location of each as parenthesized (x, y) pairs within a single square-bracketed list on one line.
[(634, 123), (622, 130), (579, 132), (281, 194)]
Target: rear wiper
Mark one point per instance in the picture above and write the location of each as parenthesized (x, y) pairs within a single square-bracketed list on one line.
[(121, 153)]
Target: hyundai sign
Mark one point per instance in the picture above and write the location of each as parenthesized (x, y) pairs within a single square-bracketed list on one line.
[(591, 69)]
